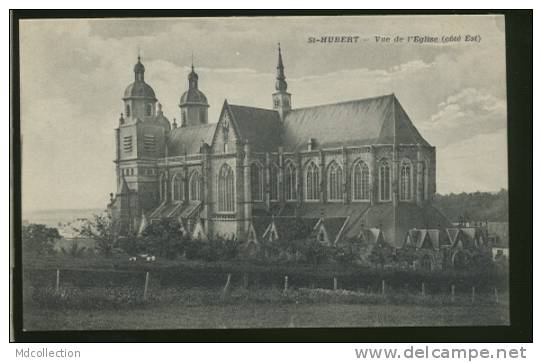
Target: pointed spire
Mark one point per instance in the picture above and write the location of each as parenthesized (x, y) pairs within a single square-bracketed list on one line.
[(280, 84)]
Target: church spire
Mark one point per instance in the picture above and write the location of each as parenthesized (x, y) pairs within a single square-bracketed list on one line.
[(281, 98), (280, 84)]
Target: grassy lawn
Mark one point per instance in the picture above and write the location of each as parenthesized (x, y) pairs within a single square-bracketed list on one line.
[(98, 293), (265, 316)]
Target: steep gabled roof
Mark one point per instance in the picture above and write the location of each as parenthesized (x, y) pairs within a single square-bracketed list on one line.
[(293, 228), (189, 139), (260, 224), (334, 227), (261, 127), (378, 120)]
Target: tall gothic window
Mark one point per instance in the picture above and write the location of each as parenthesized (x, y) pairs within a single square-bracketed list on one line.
[(312, 182), (177, 187), (290, 182), (405, 181), (335, 182), (163, 187), (149, 109), (424, 181), (226, 190), (273, 183), (256, 181), (128, 111), (385, 180), (195, 186), (360, 182)]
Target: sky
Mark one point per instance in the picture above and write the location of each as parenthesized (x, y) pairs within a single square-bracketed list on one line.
[(74, 72)]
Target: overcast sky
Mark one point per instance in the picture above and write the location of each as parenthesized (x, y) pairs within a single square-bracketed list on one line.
[(74, 72)]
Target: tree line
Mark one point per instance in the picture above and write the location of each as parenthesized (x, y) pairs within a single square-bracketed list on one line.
[(474, 206)]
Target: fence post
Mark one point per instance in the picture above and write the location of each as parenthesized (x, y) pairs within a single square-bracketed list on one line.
[(285, 283), (227, 286), (453, 293), (146, 286), (472, 294), (57, 287), (334, 283), (383, 287), (423, 289), (496, 296)]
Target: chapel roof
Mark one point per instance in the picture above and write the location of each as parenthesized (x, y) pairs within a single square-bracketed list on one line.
[(261, 127), (189, 139), (378, 120)]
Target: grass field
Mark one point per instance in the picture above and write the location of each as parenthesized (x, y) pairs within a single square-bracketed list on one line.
[(265, 316), (98, 293)]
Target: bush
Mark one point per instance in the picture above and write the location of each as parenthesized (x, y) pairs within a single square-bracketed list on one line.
[(38, 239)]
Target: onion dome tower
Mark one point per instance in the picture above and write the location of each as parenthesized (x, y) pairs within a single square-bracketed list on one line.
[(193, 103), (139, 98)]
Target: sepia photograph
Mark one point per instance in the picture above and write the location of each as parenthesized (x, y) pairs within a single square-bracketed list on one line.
[(263, 172)]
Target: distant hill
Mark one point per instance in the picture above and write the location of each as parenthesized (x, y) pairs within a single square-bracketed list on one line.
[(475, 206)]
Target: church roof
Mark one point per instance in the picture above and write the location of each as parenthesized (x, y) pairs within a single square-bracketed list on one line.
[(294, 228), (378, 120), (139, 89), (189, 139), (334, 227), (261, 127), (193, 96)]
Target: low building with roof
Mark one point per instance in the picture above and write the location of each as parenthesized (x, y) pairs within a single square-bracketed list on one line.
[(358, 162)]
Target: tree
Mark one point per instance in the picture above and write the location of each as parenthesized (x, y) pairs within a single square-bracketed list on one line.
[(407, 254), (348, 251), (315, 252), (164, 238), (382, 254), (100, 229), (39, 239), (74, 250)]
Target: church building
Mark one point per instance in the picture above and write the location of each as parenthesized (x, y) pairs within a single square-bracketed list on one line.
[(361, 161)]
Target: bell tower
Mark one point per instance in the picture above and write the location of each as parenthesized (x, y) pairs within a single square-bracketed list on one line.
[(282, 100), (193, 103)]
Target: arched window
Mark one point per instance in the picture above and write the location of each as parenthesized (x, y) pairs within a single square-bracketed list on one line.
[(163, 187), (423, 181), (335, 182), (195, 186), (290, 182), (226, 190), (312, 182), (273, 183), (149, 109), (177, 187), (256, 181), (360, 182), (405, 181), (128, 110), (384, 177)]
